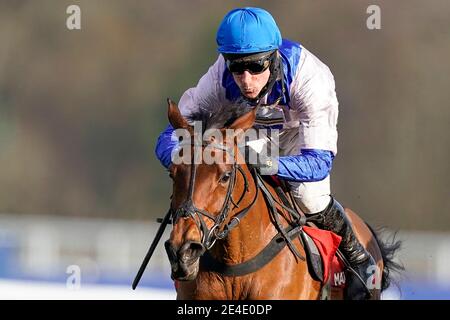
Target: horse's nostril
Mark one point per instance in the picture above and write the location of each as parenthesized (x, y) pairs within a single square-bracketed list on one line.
[(197, 247), (191, 250)]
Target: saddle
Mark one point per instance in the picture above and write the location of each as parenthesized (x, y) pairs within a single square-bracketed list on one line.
[(325, 262)]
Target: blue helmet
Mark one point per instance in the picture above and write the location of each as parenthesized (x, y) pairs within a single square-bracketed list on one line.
[(248, 30)]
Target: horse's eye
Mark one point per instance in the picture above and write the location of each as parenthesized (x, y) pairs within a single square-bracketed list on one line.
[(225, 177)]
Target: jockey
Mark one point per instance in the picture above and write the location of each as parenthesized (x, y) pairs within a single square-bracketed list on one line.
[(295, 92)]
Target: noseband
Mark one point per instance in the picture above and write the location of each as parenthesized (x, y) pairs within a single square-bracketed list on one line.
[(189, 210)]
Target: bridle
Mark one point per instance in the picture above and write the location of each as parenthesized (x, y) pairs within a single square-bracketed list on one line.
[(189, 210)]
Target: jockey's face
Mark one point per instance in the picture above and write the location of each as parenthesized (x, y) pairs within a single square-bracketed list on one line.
[(251, 84)]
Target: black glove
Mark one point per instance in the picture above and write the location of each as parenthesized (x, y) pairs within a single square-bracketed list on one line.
[(264, 164), (256, 156), (267, 165)]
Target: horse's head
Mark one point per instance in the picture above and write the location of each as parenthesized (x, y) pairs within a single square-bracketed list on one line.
[(204, 189)]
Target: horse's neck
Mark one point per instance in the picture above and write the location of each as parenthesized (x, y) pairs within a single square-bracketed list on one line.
[(253, 232)]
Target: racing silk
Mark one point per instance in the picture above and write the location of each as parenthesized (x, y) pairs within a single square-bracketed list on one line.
[(309, 105)]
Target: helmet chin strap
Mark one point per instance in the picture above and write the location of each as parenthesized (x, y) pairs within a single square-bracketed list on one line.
[(275, 75)]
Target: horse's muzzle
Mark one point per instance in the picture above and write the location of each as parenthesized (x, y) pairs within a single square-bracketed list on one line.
[(184, 262)]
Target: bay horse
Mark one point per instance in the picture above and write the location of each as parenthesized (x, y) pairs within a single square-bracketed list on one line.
[(220, 214)]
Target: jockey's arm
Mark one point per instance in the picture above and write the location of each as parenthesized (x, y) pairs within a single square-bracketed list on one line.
[(313, 95), (203, 96), (311, 165)]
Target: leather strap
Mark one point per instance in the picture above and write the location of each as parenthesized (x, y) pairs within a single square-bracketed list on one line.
[(209, 263)]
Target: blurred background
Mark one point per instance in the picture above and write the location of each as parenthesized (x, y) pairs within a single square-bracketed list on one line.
[(80, 112)]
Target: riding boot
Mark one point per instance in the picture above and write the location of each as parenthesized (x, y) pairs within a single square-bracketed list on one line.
[(334, 219)]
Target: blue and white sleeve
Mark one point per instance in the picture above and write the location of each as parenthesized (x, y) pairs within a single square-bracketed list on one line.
[(167, 141), (311, 165)]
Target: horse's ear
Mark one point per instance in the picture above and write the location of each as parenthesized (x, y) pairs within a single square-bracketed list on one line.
[(175, 118), (245, 121)]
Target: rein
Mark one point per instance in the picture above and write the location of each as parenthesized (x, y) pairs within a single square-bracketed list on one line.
[(284, 236), (209, 236), (188, 209)]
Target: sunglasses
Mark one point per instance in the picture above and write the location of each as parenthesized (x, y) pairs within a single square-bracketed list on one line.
[(253, 66)]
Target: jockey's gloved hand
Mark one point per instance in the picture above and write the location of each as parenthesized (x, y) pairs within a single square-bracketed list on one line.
[(256, 157), (266, 165)]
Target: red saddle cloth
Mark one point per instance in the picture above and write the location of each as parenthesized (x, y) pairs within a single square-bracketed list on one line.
[(327, 243)]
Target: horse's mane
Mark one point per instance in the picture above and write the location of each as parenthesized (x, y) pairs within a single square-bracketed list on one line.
[(220, 117)]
